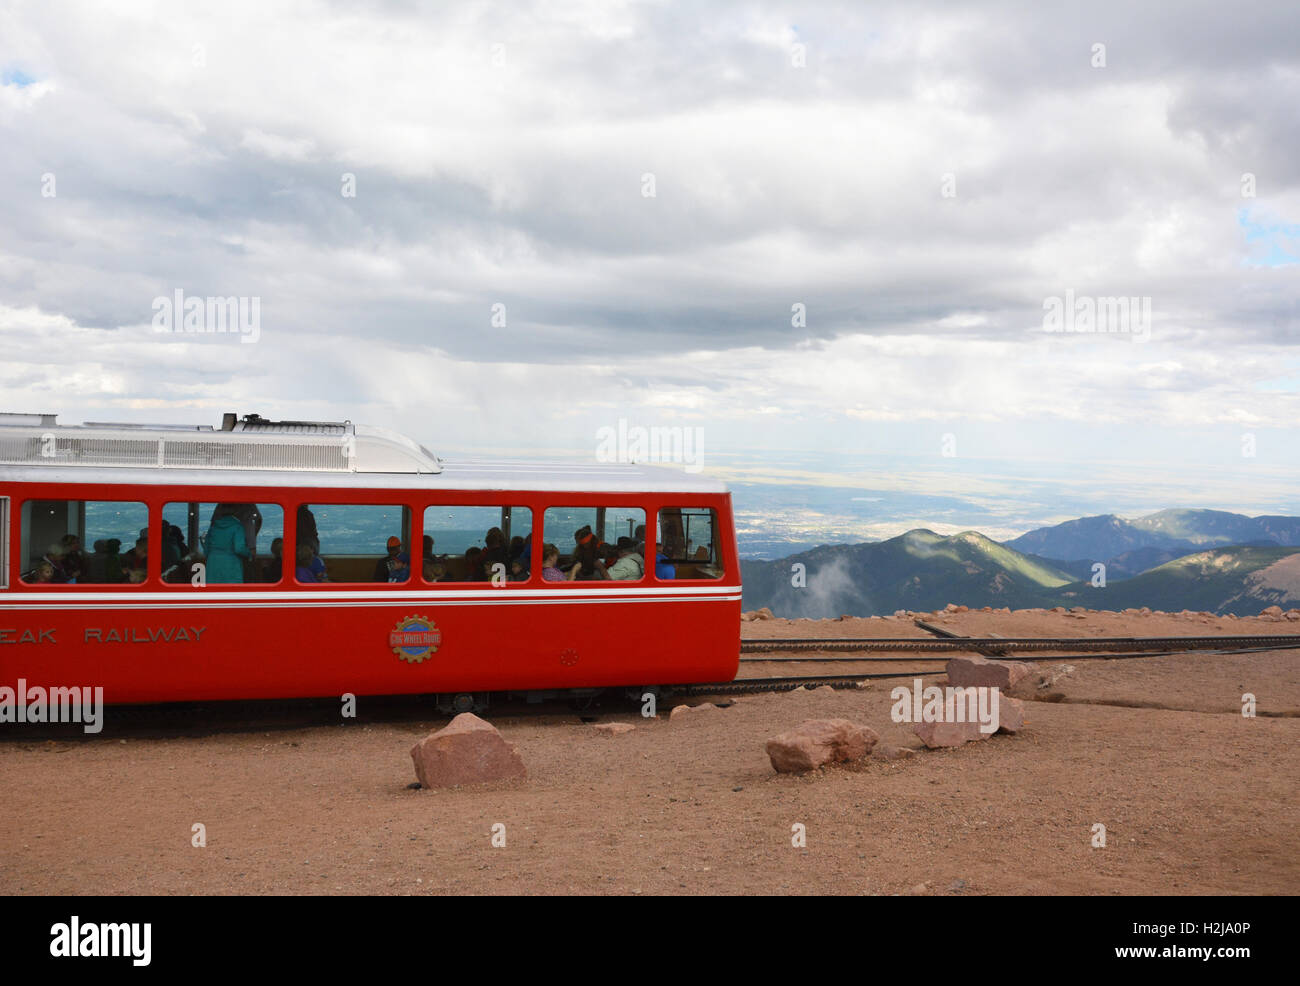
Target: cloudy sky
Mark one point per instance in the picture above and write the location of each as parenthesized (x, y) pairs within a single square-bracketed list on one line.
[(507, 226)]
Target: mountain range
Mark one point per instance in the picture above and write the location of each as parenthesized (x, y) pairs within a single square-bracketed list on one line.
[(1171, 560)]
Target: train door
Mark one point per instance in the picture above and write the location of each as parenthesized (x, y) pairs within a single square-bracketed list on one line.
[(4, 542)]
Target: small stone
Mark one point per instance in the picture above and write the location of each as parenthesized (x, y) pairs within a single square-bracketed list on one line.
[(817, 742), (466, 751), (613, 728), (1011, 714), (978, 671), (1011, 719)]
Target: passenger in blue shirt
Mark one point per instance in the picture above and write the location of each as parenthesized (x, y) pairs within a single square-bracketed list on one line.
[(663, 570), (401, 568), (304, 570)]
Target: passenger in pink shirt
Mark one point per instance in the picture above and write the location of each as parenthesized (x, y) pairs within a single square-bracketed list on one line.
[(550, 563)]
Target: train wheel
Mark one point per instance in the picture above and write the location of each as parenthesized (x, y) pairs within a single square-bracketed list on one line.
[(455, 704)]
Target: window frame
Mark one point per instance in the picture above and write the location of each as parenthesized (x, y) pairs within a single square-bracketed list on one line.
[(516, 503), (78, 493)]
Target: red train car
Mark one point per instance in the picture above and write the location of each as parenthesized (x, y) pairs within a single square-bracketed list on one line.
[(267, 559)]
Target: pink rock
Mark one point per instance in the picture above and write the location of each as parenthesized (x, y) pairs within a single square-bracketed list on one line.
[(613, 728), (818, 741), (1271, 611), (1011, 714), (466, 751), (943, 734), (979, 671), (1011, 719)]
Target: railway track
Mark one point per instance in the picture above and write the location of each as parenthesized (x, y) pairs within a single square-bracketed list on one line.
[(251, 716), (1006, 645), (783, 683)]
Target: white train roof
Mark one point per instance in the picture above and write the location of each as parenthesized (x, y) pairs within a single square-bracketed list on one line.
[(255, 452)]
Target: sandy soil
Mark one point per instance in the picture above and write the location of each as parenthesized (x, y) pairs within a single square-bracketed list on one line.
[(1195, 798)]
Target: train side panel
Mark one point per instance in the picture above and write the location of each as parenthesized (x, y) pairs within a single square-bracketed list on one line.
[(276, 649)]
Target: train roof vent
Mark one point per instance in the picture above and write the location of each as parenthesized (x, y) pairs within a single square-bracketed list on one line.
[(252, 444)]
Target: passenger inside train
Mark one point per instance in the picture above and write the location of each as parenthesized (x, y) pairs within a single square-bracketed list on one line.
[(305, 558), (274, 568)]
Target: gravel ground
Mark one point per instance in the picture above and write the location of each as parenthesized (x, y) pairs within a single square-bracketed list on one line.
[(1196, 798)]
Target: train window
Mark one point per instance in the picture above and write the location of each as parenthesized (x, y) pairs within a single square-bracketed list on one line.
[(349, 542), (688, 547), (595, 544), (84, 542), (235, 542), (477, 544)]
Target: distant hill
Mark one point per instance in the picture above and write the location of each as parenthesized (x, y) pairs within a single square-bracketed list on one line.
[(1094, 538), (1240, 579), (1212, 527), (919, 570), (1170, 560), (1128, 548)]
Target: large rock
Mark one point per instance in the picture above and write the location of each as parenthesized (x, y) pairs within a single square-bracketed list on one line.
[(1271, 611), (467, 751), (1011, 719), (819, 741), (977, 671)]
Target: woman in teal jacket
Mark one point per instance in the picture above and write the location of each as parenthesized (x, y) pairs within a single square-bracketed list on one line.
[(226, 547)]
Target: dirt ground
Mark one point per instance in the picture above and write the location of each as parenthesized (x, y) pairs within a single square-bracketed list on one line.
[(1195, 798)]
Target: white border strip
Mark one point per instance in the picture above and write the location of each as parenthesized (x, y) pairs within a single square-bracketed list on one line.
[(433, 601), (191, 595)]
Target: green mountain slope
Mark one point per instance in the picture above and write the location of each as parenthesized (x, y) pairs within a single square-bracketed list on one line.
[(1241, 579), (919, 570)]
